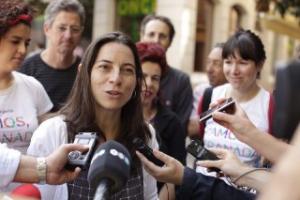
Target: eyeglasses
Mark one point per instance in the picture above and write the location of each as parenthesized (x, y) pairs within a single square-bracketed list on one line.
[(75, 30)]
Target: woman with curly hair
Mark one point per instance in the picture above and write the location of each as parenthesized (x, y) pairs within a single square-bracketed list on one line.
[(23, 99)]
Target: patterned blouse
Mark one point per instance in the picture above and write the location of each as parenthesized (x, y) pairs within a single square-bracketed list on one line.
[(79, 189)]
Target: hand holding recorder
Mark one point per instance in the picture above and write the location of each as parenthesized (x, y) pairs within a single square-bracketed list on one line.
[(226, 105), (79, 159), (196, 149), (171, 172), (239, 173), (146, 151)]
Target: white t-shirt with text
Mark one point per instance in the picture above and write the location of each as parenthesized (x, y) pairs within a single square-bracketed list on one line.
[(217, 136)]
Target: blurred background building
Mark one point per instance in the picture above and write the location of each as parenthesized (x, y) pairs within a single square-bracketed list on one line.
[(199, 25)]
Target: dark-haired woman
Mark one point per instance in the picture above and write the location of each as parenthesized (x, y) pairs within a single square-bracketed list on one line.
[(169, 130), (244, 57), (105, 99), (22, 98)]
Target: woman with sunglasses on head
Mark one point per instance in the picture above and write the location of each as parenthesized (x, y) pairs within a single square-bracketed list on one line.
[(23, 100)]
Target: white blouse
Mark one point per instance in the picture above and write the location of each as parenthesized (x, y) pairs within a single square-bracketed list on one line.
[(51, 134)]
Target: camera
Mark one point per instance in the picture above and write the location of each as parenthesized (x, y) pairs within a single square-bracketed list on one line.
[(226, 106), (196, 149), (146, 151), (78, 159)]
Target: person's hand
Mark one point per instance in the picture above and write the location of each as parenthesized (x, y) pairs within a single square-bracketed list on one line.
[(244, 130), (56, 161), (238, 122), (171, 172), (228, 163)]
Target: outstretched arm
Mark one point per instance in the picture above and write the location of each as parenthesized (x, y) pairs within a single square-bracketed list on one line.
[(245, 131), (55, 163), (238, 172), (286, 180), (192, 185)]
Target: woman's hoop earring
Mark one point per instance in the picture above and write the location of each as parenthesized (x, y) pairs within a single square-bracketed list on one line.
[(134, 94)]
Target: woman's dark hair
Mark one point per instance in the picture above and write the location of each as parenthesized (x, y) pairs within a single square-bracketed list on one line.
[(152, 52), (13, 12), (79, 110), (247, 44)]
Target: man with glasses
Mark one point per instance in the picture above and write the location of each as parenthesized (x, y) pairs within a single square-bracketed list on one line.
[(56, 66)]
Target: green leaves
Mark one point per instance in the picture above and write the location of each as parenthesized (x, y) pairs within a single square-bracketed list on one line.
[(288, 6)]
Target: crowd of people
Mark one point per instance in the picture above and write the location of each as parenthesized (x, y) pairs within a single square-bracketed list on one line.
[(124, 90)]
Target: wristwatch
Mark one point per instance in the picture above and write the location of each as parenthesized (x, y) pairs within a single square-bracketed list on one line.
[(41, 169)]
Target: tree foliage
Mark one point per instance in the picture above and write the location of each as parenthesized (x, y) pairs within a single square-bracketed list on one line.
[(291, 6), (282, 6)]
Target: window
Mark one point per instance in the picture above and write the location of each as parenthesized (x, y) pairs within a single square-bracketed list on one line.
[(203, 33), (235, 18)]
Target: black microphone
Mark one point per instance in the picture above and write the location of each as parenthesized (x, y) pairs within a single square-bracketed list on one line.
[(109, 169)]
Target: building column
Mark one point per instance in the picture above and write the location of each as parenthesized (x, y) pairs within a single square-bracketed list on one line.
[(104, 17), (183, 15)]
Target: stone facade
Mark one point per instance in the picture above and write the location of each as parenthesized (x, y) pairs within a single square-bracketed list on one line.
[(183, 14)]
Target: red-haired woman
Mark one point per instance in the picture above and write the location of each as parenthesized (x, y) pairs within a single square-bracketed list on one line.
[(169, 130)]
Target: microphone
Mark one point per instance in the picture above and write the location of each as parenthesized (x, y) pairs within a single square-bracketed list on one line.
[(26, 191), (109, 169)]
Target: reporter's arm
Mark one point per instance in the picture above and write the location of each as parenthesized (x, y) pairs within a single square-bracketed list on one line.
[(257, 179), (27, 172), (56, 161), (198, 186), (286, 180), (55, 167), (264, 143), (240, 173), (9, 162), (192, 185)]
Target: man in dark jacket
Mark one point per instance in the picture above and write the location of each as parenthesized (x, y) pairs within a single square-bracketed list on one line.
[(176, 89)]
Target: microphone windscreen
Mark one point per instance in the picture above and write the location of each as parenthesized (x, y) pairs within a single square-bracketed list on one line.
[(26, 190), (111, 161)]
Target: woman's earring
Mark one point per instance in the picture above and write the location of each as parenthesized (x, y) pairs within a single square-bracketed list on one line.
[(134, 94)]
